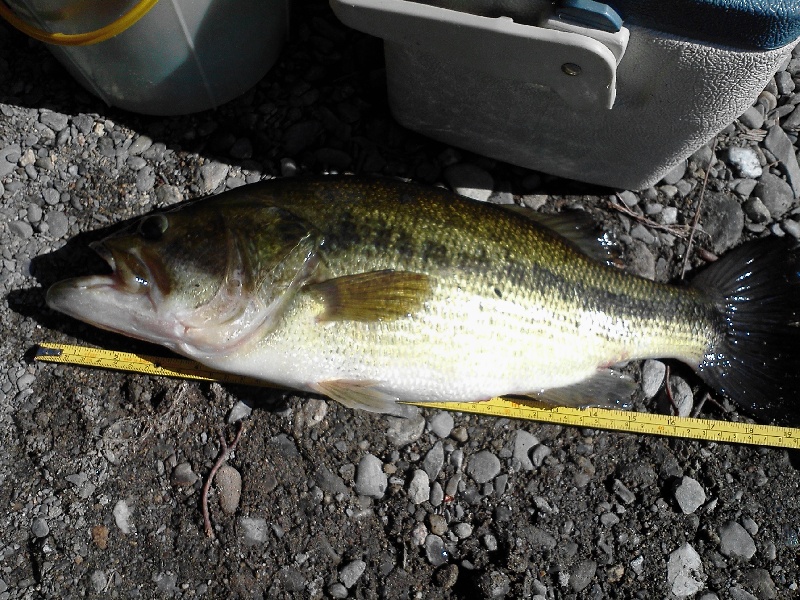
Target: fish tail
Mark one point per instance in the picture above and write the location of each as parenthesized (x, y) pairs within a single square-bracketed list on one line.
[(756, 359)]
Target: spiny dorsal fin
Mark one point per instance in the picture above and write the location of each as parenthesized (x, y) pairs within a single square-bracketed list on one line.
[(373, 296), (579, 228)]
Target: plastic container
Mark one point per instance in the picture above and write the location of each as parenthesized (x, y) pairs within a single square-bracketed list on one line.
[(614, 94), (163, 57)]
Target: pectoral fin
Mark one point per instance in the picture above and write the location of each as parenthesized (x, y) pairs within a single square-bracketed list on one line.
[(362, 395), (372, 296), (606, 389)]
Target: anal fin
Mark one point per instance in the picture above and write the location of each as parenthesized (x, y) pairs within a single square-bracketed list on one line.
[(363, 395), (607, 389)]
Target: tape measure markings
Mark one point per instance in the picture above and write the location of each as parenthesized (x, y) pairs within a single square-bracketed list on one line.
[(593, 418)]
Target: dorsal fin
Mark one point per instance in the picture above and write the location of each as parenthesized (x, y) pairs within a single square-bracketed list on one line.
[(579, 228)]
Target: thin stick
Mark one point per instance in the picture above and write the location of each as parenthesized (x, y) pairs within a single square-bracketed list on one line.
[(224, 454), (696, 218)]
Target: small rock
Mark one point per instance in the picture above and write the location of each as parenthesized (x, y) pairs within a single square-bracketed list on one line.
[(183, 475), (253, 530), (470, 181), (433, 461), (446, 577), (734, 541), (675, 174), (623, 493), (122, 516), (775, 193), (55, 121), (337, 590), (21, 229), (689, 495), (139, 145), (685, 571), (438, 524), (441, 423), (167, 195), (653, 373), (213, 174), (462, 530), (781, 146), (755, 210), (405, 430), (761, 583), (582, 576), (784, 82), (738, 593), (523, 442), (539, 454), (494, 584), (239, 412), (419, 489), (229, 484), (744, 162), (435, 551), (57, 224), (723, 219), (483, 466), (371, 481), (745, 187), (792, 228), (681, 395), (629, 198), (752, 118), (329, 482), (351, 572), (40, 528), (99, 581)]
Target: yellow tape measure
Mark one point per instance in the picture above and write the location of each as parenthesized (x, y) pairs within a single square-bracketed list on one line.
[(593, 418)]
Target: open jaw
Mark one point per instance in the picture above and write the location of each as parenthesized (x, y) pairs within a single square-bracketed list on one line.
[(125, 301)]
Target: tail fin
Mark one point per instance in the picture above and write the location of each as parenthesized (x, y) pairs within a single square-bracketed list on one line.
[(756, 362)]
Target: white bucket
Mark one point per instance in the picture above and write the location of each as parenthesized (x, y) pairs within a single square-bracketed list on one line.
[(158, 57)]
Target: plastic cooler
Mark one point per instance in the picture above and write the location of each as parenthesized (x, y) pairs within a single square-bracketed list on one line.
[(156, 57), (614, 94)]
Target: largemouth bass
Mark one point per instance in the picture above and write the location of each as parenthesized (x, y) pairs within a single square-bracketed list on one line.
[(375, 291)]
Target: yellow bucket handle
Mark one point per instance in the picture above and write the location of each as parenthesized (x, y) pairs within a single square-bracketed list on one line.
[(79, 39)]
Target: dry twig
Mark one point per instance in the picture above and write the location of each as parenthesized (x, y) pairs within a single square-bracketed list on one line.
[(696, 218), (224, 454)]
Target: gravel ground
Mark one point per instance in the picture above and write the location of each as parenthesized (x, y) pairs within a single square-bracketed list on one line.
[(101, 472)]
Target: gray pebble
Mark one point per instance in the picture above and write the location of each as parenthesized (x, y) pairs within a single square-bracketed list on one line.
[(329, 482), (668, 216), (685, 571), (462, 530), (735, 541), (145, 179), (483, 466), (675, 174), (139, 145), (469, 180), (441, 423), (750, 526), (337, 590), (784, 82), (183, 475), (21, 229), (723, 220), (689, 495), (523, 442), (168, 194), (755, 210), (34, 213), (752, 118), (351, 572), (775, 193), (792, 228), (539, 454), (57, 224), (433, 461), (55, 121), (51, 196), (653, 372), (684, 187), (681, 395), (629, 198), (744, 162), (738, 593), (435, 551), (438, 524), (239, 412), (419, 488), (122, 516), (582, 576), (489, 542), (99, 581), (253, 530), (494, 584), (405, 430), (761, 583), (745, 187), (229, 485), (623, 493), (781, 146), (40, 528), (437, 494), (213, 174), (370, 479)]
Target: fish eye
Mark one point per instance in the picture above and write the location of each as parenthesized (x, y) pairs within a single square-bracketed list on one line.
[(153, 227)]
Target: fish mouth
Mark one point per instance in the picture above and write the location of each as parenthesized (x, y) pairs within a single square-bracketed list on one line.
[(129, 272)]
